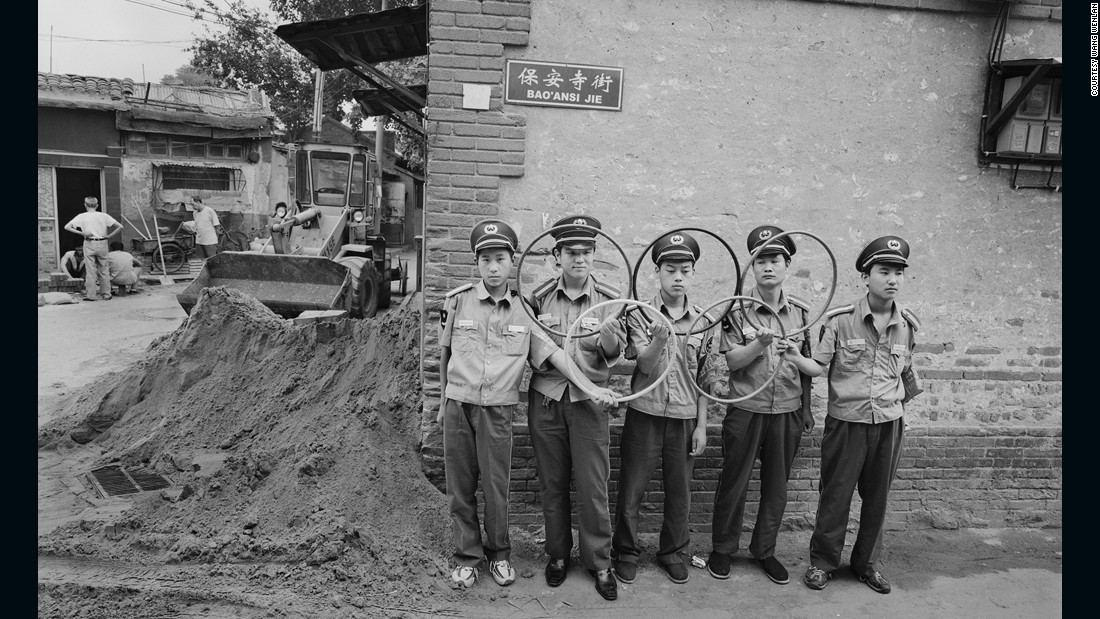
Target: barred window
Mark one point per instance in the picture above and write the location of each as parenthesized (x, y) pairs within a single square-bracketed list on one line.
[(212, 179)]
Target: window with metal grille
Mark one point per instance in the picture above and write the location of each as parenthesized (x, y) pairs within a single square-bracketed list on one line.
[(212, 179)]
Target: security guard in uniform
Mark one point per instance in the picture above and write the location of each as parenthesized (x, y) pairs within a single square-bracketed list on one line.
[(569, 431), (667, 425), (868, 348), (486, 339), (768, 425)]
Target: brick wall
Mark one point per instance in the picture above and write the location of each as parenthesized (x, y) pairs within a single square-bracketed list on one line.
[(948, 478), (469, 152), (985, 440)]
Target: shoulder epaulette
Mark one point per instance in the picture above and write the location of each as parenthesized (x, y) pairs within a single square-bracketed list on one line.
[(799, 303), (543, 288), (843, 309), (461, 288), (911, 318), (608, 290)]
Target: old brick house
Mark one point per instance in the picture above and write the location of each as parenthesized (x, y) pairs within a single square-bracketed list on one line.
[(147, 149)]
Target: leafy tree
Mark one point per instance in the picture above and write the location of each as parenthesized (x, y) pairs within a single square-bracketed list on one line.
[(245, 53), (188, 75)]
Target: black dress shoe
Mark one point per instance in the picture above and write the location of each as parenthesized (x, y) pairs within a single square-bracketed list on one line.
[(605, 584), (555, 571)]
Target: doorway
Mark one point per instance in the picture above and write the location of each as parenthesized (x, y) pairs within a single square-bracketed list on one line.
[(73, 185)]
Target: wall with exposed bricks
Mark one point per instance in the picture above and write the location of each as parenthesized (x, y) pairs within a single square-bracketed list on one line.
[(847, 119)]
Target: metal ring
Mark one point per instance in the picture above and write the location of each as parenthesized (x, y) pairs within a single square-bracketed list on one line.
[(783, 333), (625, 302), (824, 307), (736, 267), (519, 270)]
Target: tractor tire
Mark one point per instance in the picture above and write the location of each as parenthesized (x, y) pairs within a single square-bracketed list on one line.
[(365, 286)]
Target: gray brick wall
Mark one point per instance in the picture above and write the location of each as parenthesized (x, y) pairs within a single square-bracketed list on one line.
[(949, 477)]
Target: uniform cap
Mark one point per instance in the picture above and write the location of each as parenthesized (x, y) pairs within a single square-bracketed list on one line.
[(675, 246), (493, 234), (761, 234), (892, 249), (569, 232)]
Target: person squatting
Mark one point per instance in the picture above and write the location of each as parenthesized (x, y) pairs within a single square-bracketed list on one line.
[(488, 337)]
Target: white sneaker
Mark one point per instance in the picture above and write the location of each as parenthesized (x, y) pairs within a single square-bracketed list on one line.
[(502, 572), (464, 576)]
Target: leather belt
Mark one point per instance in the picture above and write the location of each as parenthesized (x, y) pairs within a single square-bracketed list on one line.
[(91, 239)]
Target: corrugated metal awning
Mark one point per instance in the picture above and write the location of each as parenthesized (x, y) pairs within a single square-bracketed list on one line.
[(357, 42), (370, 37), (380, 102)]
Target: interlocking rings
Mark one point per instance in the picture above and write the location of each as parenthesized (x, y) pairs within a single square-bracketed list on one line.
[(736, 266), (625, 302), (519, 279), (752, 259), (783, 335)]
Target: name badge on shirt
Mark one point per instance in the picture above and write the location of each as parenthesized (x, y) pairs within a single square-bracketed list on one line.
[(589, 322), (858, 342), (465, 324), (517, 329), (898, 349), (548, 320)]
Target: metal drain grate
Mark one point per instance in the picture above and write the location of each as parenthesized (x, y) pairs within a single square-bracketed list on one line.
[(114, 481), (148, 481)]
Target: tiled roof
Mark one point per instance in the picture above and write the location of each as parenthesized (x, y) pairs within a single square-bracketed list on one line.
[(86, 85), (84, 91)]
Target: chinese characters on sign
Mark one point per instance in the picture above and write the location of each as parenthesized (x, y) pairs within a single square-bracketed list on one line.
[(557, 84)]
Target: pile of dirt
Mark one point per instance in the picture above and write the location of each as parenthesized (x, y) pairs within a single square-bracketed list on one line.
[(291, 451)]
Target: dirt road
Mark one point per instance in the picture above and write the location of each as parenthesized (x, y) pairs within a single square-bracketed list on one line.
[(113, 560)]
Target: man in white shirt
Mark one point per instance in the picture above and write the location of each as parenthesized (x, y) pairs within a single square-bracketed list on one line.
[(125, 268), (96, 227), (207, 228)]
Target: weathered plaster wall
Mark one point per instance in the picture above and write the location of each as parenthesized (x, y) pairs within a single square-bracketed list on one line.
[(849, 122), (245, 211)]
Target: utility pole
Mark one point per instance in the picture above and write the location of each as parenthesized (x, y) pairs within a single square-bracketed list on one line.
[(379, 153), (318, 102)]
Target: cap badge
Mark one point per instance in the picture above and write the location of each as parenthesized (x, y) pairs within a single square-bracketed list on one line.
[(580, 221), (677, 240), (765, 234), (894, 244), (491, 229)]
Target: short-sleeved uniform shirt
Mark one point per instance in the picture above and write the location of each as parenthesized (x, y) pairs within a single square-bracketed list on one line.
[(674, 397), (490, 343), (558, 310), (865, 384), (206, 222), (784, 394), (95, 223)]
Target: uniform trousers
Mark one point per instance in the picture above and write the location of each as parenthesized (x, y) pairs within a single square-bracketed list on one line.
[(477, 441), (746, 435), (647, 440), (97, 268), (571, 442), (854, 455)]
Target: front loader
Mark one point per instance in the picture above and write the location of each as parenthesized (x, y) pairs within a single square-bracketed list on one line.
[(327, 256)]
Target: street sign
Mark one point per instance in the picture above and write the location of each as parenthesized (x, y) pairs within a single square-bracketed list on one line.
[(559, 84)]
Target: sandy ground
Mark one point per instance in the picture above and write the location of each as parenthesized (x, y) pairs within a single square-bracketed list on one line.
[(960, 573)]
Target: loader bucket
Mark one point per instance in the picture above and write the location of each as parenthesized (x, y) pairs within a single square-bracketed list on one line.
[(288, 285)]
